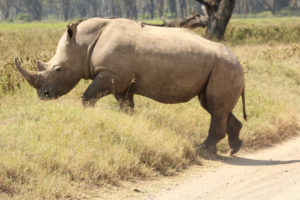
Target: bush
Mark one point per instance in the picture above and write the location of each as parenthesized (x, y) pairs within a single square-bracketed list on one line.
[(25, 17)]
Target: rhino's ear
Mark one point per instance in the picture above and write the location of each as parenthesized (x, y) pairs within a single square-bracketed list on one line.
[(72, 29), (70, 33)]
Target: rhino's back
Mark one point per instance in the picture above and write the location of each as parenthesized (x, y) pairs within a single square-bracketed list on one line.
[(170, 65)]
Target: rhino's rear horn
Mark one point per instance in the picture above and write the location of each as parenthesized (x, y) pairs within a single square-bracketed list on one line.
[(31, 77), (40, 66)]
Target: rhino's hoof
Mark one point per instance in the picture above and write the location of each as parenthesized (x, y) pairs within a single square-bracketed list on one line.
[(210, 148), (236, 147)]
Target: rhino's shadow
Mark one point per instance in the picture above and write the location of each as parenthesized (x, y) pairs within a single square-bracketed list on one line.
[(236, 160)]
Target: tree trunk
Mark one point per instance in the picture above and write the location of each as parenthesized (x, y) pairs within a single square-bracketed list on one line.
[(152, 8), (66, 9), (182, 8), (115, 8), (5, 7), (173, 7), (219, 13), (35, 8), (245, 11), (94, 5), (143, 8), (294, 3), (131, 10), (160, 6)]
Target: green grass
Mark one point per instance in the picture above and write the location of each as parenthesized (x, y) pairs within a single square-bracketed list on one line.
[(59, 150), (261, 31), (38, 25), (284, 12), (266, 21), (152, 21)]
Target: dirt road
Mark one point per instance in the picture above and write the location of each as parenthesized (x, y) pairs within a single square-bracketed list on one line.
[(268, 174)]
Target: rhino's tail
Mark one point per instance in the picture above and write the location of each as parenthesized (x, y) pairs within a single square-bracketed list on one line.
[(244, 104)]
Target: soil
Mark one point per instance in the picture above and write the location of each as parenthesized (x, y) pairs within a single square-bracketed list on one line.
[(272, 173)]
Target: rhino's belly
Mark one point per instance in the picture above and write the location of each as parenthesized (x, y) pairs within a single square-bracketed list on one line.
[(169, 91), (168, 97)]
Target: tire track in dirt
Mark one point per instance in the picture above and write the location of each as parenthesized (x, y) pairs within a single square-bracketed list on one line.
[(268, 174)]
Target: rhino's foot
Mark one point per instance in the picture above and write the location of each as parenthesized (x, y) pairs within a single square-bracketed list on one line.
[(211, 148), (235, 147), (127, 110), (87, 104)]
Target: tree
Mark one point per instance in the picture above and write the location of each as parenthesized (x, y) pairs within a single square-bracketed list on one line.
[(160, 7), (152, 8), (173, 7), (94, 6), (294, 3), (115, 8), (182, 8), (130, 9), (278, 4), (35, 7), (219, 13), (5, 6), (66, 9)]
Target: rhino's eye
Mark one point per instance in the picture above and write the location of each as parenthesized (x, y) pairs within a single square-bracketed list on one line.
[(57, 68)]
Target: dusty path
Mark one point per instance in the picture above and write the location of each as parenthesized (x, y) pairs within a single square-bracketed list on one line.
[(268, 174)]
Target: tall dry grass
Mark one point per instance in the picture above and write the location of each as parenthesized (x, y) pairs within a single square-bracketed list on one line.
[(59, 150)]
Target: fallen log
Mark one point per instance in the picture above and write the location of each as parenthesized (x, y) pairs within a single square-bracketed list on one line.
[(193, 21)]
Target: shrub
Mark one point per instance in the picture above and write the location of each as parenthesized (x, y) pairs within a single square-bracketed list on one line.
[(25, 17)]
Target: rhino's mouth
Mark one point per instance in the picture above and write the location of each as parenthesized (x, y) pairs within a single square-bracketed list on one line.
[(46, 95)]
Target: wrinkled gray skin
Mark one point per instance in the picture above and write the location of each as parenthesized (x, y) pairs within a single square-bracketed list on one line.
[(169, 65)]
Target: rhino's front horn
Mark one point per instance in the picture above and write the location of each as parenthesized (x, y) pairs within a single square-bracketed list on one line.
[(29, 76)]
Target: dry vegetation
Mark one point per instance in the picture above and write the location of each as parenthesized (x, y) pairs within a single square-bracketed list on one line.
[(58, 150)]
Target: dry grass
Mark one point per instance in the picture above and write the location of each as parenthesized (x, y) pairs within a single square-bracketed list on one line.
[(58, 150)]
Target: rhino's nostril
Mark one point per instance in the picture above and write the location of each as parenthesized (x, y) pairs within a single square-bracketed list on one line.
[(46, 92)]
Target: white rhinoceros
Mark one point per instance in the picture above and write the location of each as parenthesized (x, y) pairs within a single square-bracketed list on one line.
[(169, 65)]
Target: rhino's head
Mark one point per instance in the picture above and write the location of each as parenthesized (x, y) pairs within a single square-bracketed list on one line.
[(59, 75)]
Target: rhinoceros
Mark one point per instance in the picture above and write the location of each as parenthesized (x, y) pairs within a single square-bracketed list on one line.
[(169, 65)]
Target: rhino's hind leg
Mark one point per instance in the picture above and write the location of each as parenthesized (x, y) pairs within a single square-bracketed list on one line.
[(218, 124), (217, 131), (125, 101), (233, 131), (100, 87)]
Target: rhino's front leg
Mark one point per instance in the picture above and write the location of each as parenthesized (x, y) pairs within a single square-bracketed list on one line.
[(125, 100), (101, 86)]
